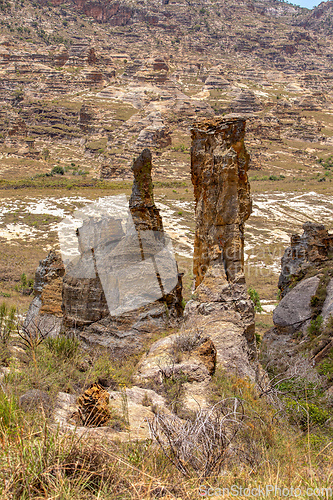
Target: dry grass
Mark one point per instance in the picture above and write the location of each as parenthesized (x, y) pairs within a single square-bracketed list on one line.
[(37, 461)]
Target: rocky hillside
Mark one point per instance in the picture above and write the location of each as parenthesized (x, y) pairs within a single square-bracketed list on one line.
[(85, 85)]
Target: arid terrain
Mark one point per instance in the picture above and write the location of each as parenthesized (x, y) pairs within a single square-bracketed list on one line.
[(85, 86)]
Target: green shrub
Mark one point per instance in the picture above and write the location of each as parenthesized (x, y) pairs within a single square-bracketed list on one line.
[(62, 346), (57, 170), (315, 327), (326, 366), (254, 296), (303, 414), (24, 281)]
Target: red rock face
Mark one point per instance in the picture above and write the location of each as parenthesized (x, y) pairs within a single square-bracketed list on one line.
[(219, 164), (114, 13), (160, 64)]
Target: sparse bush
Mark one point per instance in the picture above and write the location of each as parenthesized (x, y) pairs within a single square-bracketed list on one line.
[(63, 346), (199, 444), (315, 327), (57, 170), (254, 296), (186, 342)]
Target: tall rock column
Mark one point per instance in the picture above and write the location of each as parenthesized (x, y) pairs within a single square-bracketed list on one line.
[(145, 214), (219, 164), (125, 284), (221, 308)]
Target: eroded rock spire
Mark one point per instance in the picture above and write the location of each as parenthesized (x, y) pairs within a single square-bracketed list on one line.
[(219, 164), (144, 212)]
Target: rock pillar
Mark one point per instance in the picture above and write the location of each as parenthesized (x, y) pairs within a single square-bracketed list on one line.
[(219, 164)]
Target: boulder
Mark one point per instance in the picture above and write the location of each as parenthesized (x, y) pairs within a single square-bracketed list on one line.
[(131, 409), (45, 311), (327, 310), (294, 311), (99, 299), (309, 249), (35, 400)]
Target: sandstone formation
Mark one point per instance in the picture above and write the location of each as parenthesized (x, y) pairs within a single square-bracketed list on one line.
[(308, 250), (246, 103), (185, 356), (45, 311), (128, 421), (143, 210), (221, 307), (294, 311), (93, 296), (219, 164), (220, 311), (302, 336)]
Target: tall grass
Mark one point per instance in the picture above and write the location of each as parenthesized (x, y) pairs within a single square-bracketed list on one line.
[(40, 461)]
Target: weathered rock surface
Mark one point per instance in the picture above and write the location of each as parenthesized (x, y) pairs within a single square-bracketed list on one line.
[(327, 310), (312, 248), (291, 348), (219, 163), (180, 356), (221, 308), (246, 103), (145, 215), (294, 311), (133, 407), (45, 311), (85, 305), (35, 399), (220, 311)]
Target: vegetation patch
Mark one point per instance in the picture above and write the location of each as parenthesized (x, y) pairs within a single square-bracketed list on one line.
[(318, 299)]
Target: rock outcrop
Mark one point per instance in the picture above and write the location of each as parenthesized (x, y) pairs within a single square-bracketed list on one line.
[(219, 164), (308, 250), (220, 311), (129, 409), (294, 311), (302, 336), (45, 311), (99, 296), (221, 307), (143, 210)]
